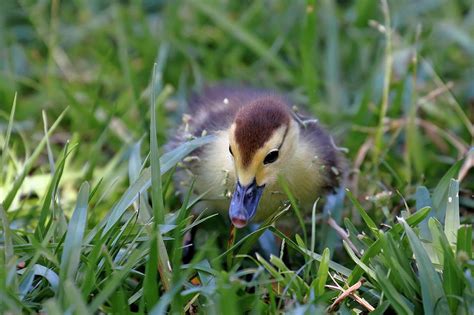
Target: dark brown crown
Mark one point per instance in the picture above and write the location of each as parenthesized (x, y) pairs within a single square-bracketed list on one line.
[(256, 122)]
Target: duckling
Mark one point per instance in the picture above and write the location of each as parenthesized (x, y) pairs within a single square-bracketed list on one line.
[(258, 138)]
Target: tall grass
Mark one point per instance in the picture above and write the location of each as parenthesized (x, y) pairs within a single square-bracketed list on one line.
[(90, 222)]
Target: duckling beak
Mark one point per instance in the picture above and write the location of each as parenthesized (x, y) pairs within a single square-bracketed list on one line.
[(244, 203)]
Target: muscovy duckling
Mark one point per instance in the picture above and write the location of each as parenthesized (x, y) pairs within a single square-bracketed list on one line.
[(258, 139)]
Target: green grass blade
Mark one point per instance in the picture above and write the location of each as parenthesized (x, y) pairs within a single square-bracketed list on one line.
[(413, 220), (333, 265), (292, 281), (434, 299), (358, 271), (158, 207), (323, 271), (8, 268), (90, 272), (367, 219), (49, 198), (6, 144), (452, 220), (440, 194), (150, 285), (375, 248), (294, 204), (164, 264), (331, 54), (48, 144), (247, 38), (47, 274), (7, 202), (52, 307), (334, 207), (381, 309), (464, 241), (135, 167), (423, 199), (272, 270), (354, 236), (162, 305), (453, 279), (359, 262), (156, 185), (167, 161), (30, 274), (74, 298), (7, 243), (313, 226), (399, 261), (75, 233), (308, 51), (378, 139), (116, 278), (118, 301), (397, 300), (39, 249)]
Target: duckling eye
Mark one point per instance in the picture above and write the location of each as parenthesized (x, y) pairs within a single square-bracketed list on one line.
[(271, 157), (230, 150)]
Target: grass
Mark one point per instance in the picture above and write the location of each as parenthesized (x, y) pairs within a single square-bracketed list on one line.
[(89, 219)]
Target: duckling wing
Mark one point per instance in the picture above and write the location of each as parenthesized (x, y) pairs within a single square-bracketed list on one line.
[(325, 149)]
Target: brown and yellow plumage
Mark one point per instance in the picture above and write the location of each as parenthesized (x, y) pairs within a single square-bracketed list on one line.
[(258, 139)]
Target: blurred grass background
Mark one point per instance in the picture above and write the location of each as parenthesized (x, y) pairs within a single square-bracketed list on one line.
[(96, 59)]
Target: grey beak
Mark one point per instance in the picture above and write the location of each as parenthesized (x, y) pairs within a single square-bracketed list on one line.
[(244, 203)]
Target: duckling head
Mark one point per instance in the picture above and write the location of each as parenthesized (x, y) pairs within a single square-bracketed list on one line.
[(262, 140)]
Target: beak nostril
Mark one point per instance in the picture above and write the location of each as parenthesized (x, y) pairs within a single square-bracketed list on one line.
[(244, 203), (250, 193)]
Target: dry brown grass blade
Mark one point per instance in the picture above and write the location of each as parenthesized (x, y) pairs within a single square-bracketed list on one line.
[(350, 292), (435, 93), (360, 158), (231, 240), (343, 234), (433, 129), (467, 165)]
